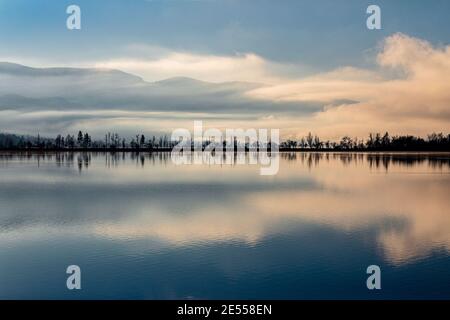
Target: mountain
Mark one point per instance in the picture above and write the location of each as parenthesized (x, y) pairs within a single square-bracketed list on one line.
[(14, 69)]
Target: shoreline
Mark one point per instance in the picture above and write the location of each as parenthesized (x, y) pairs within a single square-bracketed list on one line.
[(166, 150)]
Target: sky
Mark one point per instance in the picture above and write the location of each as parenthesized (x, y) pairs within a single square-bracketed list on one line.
[(295, 65)]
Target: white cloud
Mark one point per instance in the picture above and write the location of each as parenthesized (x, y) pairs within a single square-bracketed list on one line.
[(241, 67)]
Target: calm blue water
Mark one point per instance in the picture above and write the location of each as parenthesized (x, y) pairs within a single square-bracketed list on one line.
[(142, 228)]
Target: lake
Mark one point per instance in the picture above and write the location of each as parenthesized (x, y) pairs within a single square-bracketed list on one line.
[(141, 227)]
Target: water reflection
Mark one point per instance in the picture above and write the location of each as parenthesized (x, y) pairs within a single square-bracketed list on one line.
[(438, 159), (397, 204), (376, 160)]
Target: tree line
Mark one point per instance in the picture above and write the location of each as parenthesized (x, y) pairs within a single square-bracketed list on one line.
[(375, 142), (83, 140), (113, 141)]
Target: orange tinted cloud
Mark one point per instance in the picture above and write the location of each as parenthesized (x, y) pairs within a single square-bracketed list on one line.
[(408, 93)]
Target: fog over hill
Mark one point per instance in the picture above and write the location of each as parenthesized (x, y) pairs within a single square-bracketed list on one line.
[(87, 89), (54, 99)]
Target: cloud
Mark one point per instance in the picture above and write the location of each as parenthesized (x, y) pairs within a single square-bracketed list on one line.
[(408, 93), (240, 67), (50, 99)]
